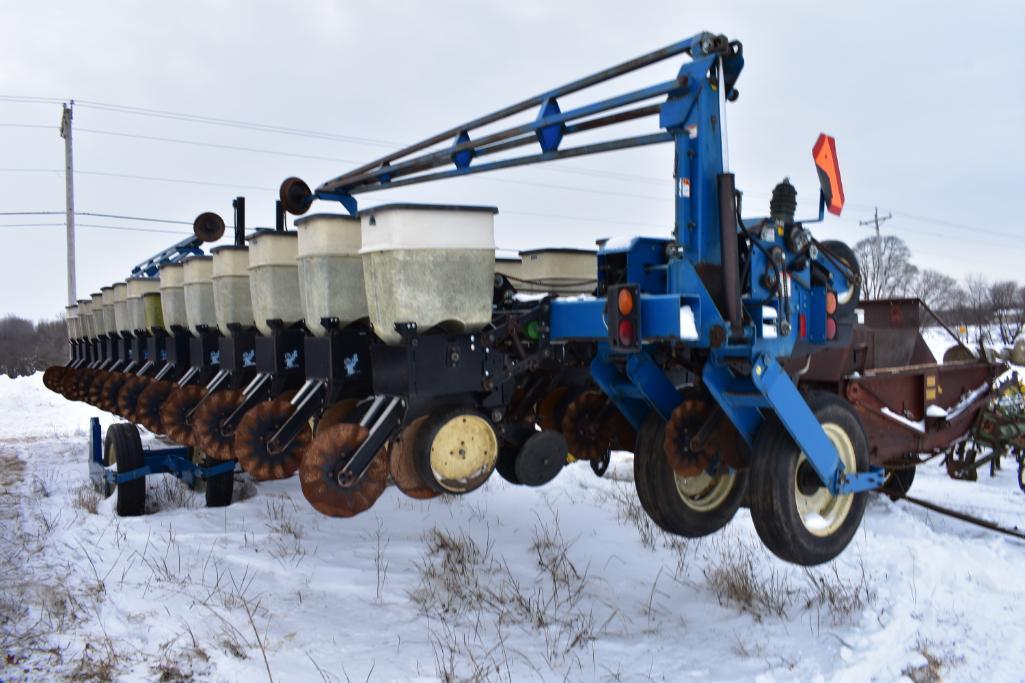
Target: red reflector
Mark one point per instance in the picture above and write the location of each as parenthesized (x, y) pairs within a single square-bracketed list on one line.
[(830, 328), (802, 326), (627, 335)]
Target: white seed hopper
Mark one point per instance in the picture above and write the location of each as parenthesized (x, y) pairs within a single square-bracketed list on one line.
[(330, 270), (274, 279), (172, 295), (430, 265), (233, 302), (197, 276)]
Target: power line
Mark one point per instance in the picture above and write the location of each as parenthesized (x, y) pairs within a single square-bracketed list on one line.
[(95, 215)]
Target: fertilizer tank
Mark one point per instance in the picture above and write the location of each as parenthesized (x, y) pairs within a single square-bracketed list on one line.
[(172, 295), (430, 265), (197, 277), (330, 270), (274, 279), (233, 302)]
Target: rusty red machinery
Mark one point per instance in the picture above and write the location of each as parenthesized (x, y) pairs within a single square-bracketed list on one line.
[(911, 405)]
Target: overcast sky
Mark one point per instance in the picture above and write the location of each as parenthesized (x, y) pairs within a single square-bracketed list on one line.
[(926, 101)]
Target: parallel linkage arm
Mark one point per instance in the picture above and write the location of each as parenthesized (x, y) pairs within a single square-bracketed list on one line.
[(551, 126)]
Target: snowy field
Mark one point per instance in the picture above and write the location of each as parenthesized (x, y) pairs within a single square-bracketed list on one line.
[(567, 582)]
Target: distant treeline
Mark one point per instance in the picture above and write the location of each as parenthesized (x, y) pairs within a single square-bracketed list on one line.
[(27, 347)]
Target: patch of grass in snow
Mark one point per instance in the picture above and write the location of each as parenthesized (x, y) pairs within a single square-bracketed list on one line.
[(86, 498), (476, 597), (930, 668), (169, 493)]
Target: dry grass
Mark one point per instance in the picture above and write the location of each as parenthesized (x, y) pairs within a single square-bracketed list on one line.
[(476, 597), (86, 498), (737, 574), (169, 493)]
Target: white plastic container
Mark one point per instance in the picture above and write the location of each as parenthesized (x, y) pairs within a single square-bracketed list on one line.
[(85, 318), (71, 320), (137, 286), (99, 324), (122, 322), (430, 265), (172, 295), (510, 266), (567, 271), (109, 323), (233, 303), (274, 279), (330, 270), (199, 293)]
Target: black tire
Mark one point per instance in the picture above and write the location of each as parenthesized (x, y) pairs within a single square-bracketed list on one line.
[(774, 486), (658, 489), (846, 255), (124, 446), (219, 488), (1021, 473), (898, 482), (506, 464)]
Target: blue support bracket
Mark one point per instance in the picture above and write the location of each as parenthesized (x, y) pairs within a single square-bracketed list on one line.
[(793, 412), (653, 384)]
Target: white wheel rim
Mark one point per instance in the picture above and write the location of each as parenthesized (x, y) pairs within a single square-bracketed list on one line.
[(822, 513), (463, 453), (705, 492)]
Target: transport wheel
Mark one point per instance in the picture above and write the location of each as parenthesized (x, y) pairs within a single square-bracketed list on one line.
[(318, 473), (123, 447), (174, 412), (401, 465), (849, 299), (219, 488), (208, 432), (541, 457), (898, 482), (260, 458), (690, 506), (796, 517), (1021, 473), (456, 451), (111, 389), (128, 397), (147, 410)]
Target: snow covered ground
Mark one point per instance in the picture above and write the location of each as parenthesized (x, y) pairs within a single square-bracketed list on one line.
[(567, 582)]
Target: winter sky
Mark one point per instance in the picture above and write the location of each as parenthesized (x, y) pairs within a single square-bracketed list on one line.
[(925, 100)]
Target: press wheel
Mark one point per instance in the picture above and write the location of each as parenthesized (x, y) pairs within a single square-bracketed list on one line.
[(402, 465), (456, 451), (327, 455)]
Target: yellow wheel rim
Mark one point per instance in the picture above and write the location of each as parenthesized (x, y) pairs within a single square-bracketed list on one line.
[(705, 492), (821, 512), (463, 453), (111, 455)]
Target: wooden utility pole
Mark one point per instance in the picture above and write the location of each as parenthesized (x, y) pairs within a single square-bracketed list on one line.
[(69, 197), (877, 220)]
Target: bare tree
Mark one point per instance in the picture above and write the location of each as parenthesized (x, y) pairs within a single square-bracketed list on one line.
[(939, 291), (977, 309), (886, 268), (1007, 310), (26, 347)]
